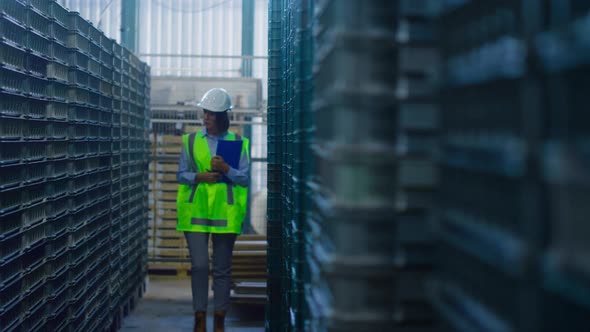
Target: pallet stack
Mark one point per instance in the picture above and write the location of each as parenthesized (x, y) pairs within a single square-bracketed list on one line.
[(167, 247), (74, 109), (249, 269)]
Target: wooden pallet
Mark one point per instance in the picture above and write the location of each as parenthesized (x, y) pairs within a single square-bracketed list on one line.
[(163, 186), (249, 254), (247, 267), (163, 195), (181, 269), (162, 223), (163, 176), (251, 237), (155, 162), (250, 287), (248, 299), (165, 232), (169, 196), (248, 275), (167, 150), (168, 253), (163, 167), (165, 214), (184, 270), (159, 242), (166, 139), (244, 245), (191, 128), (162, 205), (166, 247)]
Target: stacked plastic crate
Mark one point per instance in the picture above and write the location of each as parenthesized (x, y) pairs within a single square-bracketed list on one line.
[(134, 160), (289, 231), (116, 234), (353, 221), (90, 136), (303, 162), (58, 158), (289, 136), (145, 97), (414, 133), (375, 133), (275, 314), (563, 66), (491, 224)]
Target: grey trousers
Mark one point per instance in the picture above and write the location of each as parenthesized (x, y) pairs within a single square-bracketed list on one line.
[(223, 245)]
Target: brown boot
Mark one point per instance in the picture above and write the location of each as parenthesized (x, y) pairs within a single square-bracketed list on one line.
[(219, 321), (200, 321)]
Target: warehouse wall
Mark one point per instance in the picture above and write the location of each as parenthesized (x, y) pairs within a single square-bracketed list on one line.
[(104, 14), (203, 28), (185, 27)]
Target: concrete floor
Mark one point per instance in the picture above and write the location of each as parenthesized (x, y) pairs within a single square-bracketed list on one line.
[(167, 306)]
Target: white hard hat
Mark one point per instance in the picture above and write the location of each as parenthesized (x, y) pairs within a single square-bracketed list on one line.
[(216, 100)]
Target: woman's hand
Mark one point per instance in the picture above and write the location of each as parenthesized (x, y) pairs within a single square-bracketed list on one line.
[(208, 177), (218, 164)]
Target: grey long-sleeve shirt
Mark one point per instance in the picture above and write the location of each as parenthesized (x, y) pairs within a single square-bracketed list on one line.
[(238, 176)]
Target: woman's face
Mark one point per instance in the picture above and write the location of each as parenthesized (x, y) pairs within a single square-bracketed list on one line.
[(209, 121)]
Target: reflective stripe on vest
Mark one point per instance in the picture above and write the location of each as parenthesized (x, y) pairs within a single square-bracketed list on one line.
[(204, 207)]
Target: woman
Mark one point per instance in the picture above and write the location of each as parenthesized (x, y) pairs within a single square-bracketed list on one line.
[(212, 198)]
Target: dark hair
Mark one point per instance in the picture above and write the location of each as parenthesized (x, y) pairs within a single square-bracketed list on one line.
[(222, 121)]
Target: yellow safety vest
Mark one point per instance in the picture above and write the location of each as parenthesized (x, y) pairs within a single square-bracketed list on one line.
[(205, 207)]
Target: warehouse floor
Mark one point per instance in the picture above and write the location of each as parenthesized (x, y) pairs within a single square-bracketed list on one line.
[(166, 306)]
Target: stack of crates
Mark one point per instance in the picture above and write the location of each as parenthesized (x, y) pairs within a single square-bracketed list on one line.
[(451, 166), (486, 188), (303, 163), (290, 226), (289, 161), (563, 67), (275, 312), (414, 131), (352, 256), (145, 101), (354, 213), (66, 262), (504, 196)]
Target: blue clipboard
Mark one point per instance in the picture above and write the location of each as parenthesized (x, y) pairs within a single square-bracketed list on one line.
[(230, 151)]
